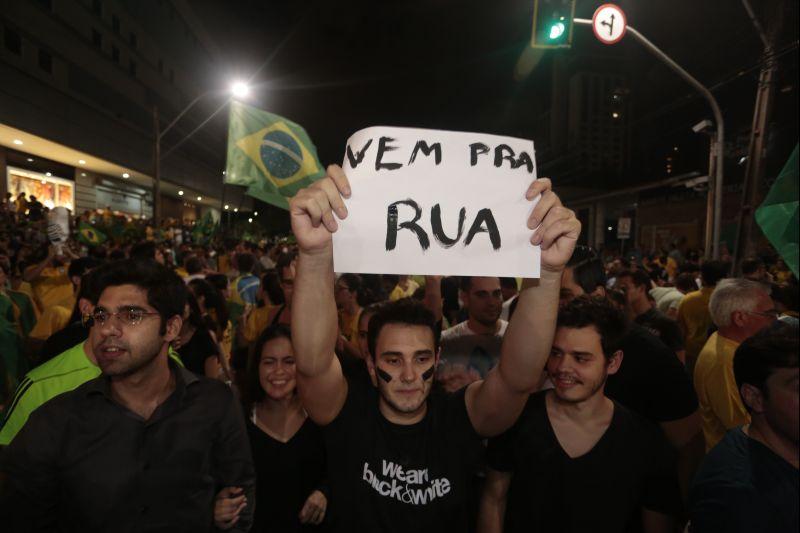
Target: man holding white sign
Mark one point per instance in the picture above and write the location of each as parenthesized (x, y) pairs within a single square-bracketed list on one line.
[(401, 459)]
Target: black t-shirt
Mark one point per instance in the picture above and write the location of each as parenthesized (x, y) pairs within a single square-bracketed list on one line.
[(651, 380), (195, 352), (743, 486), (662, 327), (388, 477), (629, 468), (286, 474)]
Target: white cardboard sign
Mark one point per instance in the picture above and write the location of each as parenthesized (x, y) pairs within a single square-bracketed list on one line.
[(437, 202)]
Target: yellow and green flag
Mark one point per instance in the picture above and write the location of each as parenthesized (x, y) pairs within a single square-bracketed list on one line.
[(269, 154), (89, 235)]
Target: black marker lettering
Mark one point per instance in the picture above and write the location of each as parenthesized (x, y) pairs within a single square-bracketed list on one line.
[(392, 227), (475, 149), (484, 216), (502, 152), (524, 159), (356, 159), (438, 231), (382, 148), (436, 148)]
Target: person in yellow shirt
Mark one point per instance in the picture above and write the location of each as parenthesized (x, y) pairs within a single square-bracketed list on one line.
[(693, 316), (405, 288), (740, 308), (49, 278), (57, 316)]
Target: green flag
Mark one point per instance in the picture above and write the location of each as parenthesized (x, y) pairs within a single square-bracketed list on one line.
[(778, 215), (89, 235), (269, 154)]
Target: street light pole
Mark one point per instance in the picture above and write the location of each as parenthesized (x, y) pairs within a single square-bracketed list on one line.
[(715, 181)]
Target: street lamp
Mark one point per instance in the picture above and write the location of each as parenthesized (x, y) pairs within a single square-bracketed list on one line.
[(238, 89)]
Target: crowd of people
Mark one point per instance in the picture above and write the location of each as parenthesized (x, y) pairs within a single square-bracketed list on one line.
[(155, 385)]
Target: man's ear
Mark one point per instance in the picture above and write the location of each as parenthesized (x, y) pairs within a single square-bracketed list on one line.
[(174, 325), (752, 397), (614, 362)]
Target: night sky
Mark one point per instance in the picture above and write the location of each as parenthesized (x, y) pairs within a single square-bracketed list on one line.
[(336, 67)]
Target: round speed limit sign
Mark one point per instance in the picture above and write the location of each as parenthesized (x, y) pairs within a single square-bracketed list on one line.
[(609, 23)]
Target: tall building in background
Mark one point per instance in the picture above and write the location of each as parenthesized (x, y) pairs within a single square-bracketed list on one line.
[(81, 80)]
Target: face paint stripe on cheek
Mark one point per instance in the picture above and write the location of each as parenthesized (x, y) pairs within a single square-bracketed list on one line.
[(385, 376), (428, 374)]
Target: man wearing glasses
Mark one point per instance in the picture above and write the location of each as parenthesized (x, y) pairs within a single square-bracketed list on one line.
[(147, 444), (739, 308)]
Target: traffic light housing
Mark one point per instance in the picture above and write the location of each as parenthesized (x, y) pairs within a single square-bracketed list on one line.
[(552, 23)]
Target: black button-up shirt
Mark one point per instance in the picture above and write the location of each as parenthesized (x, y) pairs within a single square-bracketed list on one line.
[(85, 463)]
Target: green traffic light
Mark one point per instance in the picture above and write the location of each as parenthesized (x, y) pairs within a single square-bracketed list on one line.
[(557, 30)]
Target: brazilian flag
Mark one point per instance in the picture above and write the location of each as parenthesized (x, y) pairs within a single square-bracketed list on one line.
[(89, 235), (778, 215), (269, 154)]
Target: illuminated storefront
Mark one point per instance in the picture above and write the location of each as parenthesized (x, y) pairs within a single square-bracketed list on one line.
[(51, 191)]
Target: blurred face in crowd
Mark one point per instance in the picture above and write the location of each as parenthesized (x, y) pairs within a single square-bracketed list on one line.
[(345, 298), (570, 288), (287, 282), (484, 300), (276, 370), (577, 366), (363, 333), (403, 369), (748, 323), (131, 340), (633, 295)]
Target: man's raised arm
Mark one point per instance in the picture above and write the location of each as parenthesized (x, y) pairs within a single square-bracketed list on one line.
[(495, 403), (320, 382)]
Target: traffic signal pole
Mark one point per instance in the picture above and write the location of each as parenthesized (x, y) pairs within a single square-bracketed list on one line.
[(715, 179)]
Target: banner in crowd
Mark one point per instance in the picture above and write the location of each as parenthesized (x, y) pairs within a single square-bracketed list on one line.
[(437, 202), (778, 214), (269, 154)]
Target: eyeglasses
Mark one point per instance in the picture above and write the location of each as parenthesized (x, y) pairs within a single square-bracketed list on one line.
[(129, 316)]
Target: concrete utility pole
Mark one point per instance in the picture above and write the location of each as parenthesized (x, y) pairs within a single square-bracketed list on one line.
[(754, 170)]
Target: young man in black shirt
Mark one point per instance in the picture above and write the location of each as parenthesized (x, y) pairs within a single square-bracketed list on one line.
[(143, 447), (652, 382), (576, 460), (401, 458), (749, 482)]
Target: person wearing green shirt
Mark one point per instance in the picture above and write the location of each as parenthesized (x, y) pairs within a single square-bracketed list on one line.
[(61, 374)]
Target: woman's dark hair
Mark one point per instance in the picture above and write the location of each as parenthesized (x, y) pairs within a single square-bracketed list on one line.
[(214, 302), (220, 281), (143, 250), (166, 291), (272, 287), (407, 312), (253, 392), (355, 283), (598, 312), (245, 263)]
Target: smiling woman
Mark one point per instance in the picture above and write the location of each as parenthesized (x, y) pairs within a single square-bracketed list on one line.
[(286, 444)]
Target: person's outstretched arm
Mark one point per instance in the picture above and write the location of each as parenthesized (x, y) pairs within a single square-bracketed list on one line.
[(495, 403), (315, 328)]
